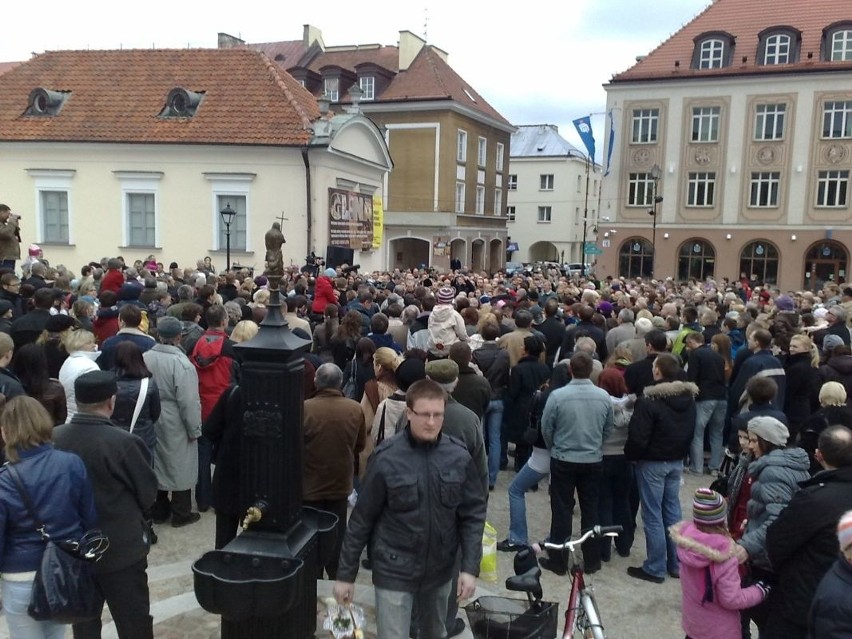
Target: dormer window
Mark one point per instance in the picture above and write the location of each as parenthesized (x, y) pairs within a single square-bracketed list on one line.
[(181, 103), (368, 87), (778, 45), (331, 89), (44, 102), (713, 51), (838, 42)]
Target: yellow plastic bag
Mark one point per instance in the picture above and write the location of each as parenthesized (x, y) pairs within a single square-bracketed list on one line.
[(488, 565)]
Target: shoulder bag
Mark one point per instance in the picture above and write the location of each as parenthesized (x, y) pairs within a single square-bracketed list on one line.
[(350, 388), (64, 588), (140, 401)]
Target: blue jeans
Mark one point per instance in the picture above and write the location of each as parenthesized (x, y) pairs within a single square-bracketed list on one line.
[(522, 482), (493, 421), (204, 487), (16, 598), (709, 413), (659, 488), (393, 612)]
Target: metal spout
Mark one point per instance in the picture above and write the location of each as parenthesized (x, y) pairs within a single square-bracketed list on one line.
[(254, 513)]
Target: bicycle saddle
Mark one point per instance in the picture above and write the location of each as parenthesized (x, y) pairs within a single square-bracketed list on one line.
[(529, 582)]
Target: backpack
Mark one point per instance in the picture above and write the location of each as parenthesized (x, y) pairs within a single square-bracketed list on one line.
[(350, 388), (207, 350)]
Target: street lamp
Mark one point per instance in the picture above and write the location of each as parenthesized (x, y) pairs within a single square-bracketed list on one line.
[(656, 174), (227, 218)]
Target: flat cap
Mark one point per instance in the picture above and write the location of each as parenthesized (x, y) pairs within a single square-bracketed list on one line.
[(95, 387), (443, 371)]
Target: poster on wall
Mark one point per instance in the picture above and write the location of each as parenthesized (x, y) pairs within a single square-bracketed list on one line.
[(378, 220), (350, 219)]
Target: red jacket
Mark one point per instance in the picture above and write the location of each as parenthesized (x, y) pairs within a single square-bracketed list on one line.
[(211, 359), (113, 279), (323, 294)]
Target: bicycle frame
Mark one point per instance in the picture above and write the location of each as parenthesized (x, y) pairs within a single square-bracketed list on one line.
[(578, 584)]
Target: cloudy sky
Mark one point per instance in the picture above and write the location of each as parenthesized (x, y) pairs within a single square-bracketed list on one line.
[(535, 62)]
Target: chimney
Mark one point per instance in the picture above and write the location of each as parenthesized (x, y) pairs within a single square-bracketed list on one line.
[(227, 41), (311, 34), (409, 46)]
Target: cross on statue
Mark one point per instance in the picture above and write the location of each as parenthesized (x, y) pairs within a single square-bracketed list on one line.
[(281, 218)]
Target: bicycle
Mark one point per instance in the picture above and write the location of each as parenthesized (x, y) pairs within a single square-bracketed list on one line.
[(507, 618)]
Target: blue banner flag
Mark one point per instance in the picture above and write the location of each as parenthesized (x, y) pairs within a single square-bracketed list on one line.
[(584, 128), (611, 142)]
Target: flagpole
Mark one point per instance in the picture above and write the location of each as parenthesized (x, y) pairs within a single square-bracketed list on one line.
[(585, 223)]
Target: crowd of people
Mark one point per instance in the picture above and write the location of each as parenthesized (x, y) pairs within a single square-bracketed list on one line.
[(431, 385)]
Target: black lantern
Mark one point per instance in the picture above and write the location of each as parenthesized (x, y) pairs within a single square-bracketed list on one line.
[(228, 215)]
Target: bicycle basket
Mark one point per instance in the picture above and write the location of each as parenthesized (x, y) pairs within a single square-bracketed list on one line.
[(505, 618)]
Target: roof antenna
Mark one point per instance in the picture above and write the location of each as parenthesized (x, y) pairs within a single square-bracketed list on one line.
[(426, 24)]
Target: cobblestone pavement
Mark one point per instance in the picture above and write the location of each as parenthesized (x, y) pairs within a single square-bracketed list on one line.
[(630, 609)]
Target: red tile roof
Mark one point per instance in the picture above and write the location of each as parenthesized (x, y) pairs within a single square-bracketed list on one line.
[(117, 96), (7, 66), (745, 19)]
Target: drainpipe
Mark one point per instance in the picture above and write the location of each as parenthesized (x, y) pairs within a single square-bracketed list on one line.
[(308, 191)]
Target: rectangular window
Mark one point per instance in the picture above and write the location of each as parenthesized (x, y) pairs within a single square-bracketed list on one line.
[(498, 202), (512, 185), (702, 189), (579, 184), (544, 213), (481, 151), (500, 157), (459, 197), (54, 216), (764, 189), (480, 200), (769, 121), (645, 124), (640, 190), (239, 224), (705, 124), (832, 188), (711, 54), (461, 146), (141, 219), (368, 87), (510, 213), (546, 182), (331, 89), (841, 46), (777, 49), (837, 119)]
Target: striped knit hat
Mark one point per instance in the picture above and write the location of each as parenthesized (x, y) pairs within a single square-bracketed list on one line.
[(708, 508), (844, 531)]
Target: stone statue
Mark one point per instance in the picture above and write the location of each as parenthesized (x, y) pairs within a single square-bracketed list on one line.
[(274, 238)]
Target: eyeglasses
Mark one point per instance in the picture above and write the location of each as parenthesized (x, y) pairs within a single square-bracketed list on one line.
[(428, 416)]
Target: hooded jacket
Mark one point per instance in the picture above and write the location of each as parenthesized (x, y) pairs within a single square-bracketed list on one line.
[(710, 613), (323, 294), (446, 327), (662, 423)]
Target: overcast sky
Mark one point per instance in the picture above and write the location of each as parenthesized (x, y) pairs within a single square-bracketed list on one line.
[(535, 62)]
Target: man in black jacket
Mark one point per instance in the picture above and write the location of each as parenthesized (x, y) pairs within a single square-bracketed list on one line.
[(493, 361), (26, 329), (125, 486), (640, 374), (802, 543), (420, 502), (706, 369)]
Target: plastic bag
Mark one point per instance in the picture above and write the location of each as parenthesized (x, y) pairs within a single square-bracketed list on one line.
[(344, 622), (488, 565)]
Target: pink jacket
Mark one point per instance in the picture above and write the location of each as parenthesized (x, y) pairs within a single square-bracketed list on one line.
[(699, 552)]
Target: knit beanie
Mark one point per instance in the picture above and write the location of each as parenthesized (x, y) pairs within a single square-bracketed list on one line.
[(446, 295), (844, 531), (708, 508), (769, 429)]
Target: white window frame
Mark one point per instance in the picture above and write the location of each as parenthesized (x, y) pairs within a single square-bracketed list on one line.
[(62, 221), (545, 182), (331, 89), (510, 213), (500, 157), (705, 123), (841, 45), (701, 189), (52, 180), (645, 126), (498, 202), (777, 49), (764, 188), (480, 199), (461, 146), (545, 214), (832, 189), (481, 151), (129, 196), (640, 189), (460, 196), (769, 121), (512, 182), (224, 185), (367, 84), (711, 54), (832, 111), (141, 182)]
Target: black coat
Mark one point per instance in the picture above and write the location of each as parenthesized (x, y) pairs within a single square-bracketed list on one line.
[(662, 423), (590, 330), (706, 369), (472, 391), (553, 329), (223, 427), (524, 380), (831, 614), (802, 541), (801, 396), (838, 368), (493, 361)]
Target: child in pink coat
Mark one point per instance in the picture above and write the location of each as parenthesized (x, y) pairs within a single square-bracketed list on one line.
[(709, 579)]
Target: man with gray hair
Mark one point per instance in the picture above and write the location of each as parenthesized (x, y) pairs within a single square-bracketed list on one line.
[(623, 332), (334, 435)]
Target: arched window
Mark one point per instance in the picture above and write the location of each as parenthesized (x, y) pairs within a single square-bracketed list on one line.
[(696, 259), (837, 42), (825, 262), (636, 258), (778, 45), (713, 50), (760, 260)]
